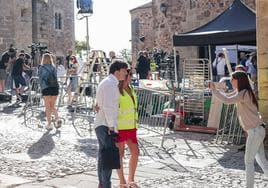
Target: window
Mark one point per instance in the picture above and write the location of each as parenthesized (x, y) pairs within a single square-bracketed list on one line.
[(23, 12), (58, 21)]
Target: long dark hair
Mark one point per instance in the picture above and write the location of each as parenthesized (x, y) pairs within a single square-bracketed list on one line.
[(121, 83), (243, 83), (74, 58)]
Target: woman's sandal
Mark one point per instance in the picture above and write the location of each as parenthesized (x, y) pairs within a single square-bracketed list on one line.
[(58, 124), (132, 184), (49, 127)]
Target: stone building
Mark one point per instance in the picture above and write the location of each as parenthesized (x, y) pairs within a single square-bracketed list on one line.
[(48, 22), (181, 16)]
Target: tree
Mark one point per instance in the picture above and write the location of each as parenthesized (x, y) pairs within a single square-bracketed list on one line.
[(80, 46), (126, 54)]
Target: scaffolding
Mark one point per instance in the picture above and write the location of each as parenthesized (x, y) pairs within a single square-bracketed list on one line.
[(83, 113), (194, 93)]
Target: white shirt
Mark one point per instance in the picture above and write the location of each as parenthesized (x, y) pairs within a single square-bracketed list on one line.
[(220, 65), (251, 69), (107, 98), (61, 71)]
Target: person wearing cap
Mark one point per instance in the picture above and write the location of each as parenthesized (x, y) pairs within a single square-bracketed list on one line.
[(7, 57)]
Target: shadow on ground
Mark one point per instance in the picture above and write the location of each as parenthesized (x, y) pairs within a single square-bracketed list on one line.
[(235, 160), (89, 146), (42, 147)]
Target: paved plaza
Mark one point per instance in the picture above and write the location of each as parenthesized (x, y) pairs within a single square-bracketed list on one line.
[(31, 157)]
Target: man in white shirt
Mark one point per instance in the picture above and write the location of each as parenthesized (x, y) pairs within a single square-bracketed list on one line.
[(250, 67), (107, 98), (219, 65)]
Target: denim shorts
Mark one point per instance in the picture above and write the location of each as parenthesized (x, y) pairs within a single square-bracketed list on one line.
[(73, 83)]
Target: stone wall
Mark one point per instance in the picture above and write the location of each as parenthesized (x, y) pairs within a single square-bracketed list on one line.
[(262, 36), (181, 16), (141, 26), (22, 11), (57, 40), (7, 26), (19, 27)]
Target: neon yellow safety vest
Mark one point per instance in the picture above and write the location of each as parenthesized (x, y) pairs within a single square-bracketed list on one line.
[(128, 116)]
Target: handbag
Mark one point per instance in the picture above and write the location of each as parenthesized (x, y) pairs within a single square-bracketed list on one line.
[(110, 157)]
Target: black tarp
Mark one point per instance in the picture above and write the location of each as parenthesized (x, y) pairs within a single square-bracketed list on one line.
[(236, 25)]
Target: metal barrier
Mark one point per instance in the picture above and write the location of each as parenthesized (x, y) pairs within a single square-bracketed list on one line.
[(34, 110), (84, 108), (151, 104), (229, 131), (34, 105)]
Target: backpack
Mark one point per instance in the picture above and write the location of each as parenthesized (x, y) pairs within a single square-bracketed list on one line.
[(51, 79)]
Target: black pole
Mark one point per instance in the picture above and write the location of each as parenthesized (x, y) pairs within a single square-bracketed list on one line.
[(34, 28)]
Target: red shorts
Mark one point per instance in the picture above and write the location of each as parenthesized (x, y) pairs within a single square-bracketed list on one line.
[(125, 135)]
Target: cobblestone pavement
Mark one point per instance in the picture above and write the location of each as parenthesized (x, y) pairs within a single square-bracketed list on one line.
[(64, 159)]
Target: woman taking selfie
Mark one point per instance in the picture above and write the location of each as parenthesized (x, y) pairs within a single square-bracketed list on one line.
[(250, 121)]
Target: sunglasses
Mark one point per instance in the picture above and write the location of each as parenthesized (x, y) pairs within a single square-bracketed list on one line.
[(129, 72)]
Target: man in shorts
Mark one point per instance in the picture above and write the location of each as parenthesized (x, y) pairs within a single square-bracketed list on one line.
[(19, 80), (4, 65)]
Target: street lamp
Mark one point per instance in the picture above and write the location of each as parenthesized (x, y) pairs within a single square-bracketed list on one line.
[(163, 9), (85, 9)]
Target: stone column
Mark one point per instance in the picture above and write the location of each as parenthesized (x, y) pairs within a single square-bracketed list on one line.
[(262, 45), (262, 60)]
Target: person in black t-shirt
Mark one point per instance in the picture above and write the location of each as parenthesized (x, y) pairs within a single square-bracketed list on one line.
[(143, 66), (4, 63), (68, 59), (19, 80)]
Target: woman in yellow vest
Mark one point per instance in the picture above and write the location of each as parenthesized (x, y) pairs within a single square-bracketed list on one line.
[(127, 131)]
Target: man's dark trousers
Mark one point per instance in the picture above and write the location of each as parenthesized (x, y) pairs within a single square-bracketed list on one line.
[(105, 141)]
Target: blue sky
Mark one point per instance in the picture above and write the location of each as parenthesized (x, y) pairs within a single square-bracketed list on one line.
[(110, 24)]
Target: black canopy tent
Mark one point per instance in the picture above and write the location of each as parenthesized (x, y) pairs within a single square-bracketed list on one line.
[(236, 25)]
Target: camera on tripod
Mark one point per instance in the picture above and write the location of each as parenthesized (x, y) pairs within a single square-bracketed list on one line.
[(37, 47)]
